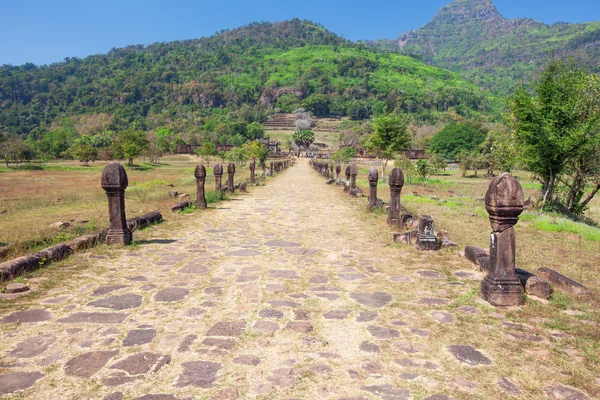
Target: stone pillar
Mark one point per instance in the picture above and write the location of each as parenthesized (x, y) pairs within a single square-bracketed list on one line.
[(504, 203), (114, 182), (347, 183), (271, 170), (353, 172), (396, 182), (326, 170), (218, 171), (331, 171), (230, 176), (264, 170), (426, 239), (252, 173), (338, 169), (373, 179), (200, 174)]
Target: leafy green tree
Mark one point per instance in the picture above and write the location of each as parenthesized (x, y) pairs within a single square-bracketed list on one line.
[(256, 150), (206, 151), (424, 170), (438, 163), (557, 131), (407, 167), (85, 153), (455, 138), (304, 138), (390, 136), (318, 104), (255, 130), (343, 155), (166, 140), (129, 144), (13, 149), (237, 155)]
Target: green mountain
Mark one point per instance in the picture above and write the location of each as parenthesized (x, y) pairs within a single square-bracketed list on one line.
[(213, 87), (472, 38)]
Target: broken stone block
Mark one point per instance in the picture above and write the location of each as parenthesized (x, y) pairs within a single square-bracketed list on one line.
[(426, 239), (408, 238), (534, 285), (563, 283), (16, 288)]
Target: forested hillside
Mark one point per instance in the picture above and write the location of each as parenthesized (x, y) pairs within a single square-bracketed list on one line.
[(472, 38), (211, 88)]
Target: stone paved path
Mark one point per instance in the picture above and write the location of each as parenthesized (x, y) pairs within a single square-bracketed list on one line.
[(289, 292)]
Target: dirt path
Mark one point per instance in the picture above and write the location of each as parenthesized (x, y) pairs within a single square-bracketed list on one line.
[(289, 292)]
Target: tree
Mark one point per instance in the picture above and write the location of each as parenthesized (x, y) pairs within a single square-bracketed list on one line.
[(424, 170), (166, 141), (13, 149), (85, 153), (343, 155), (237, 155), (206, 151), (556, 131), (304, 138), (256, 150), (437, 163), (129, 144), (390, 136), (318, 104), (407, 167), (255, 131), (455, 138)]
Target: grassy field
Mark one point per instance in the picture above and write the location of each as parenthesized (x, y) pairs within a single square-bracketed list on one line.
[(33, 199)]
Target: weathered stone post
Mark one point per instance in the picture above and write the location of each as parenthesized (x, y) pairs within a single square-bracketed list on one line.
[(504, 203), (396, 182), (373, 179), (331, 171), (271, 169), (426, 239), (338, 169), (347, 184), (230, 176), (264, 170), (252, 173), (353, 172), (200, 174), (218, 171), (114, 182), (326, 170)]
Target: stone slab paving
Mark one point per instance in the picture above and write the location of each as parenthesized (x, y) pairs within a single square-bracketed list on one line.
[(291, 292)]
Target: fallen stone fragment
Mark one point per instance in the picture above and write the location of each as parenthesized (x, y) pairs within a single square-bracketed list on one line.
[(16, 288), (563, 283), (408, 238), (534, 285), (508, 387)]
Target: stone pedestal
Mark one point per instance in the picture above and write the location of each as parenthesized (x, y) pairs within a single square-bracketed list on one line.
[(347, 185), (396, 182), (218, 171), (114, 182), (338, 169), (426, 239), (200, 174), (230, 177), (504, 203), (264, 170), (271, 169), (373, 179), (353, 173), (252, 173)]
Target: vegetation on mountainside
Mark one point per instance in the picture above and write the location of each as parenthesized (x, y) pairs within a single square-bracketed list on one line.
[(215, 89), (471, 37)]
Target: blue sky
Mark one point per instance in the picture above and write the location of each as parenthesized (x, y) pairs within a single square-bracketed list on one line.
[(46, 31)]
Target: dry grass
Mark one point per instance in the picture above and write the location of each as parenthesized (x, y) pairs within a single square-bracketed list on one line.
[(70, 192)]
